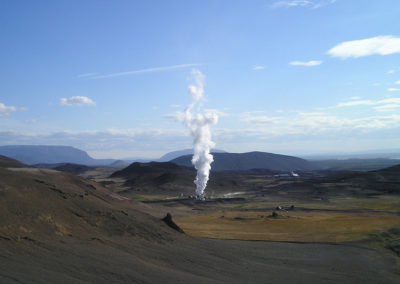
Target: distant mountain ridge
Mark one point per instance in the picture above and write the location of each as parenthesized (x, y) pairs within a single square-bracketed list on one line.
[(43, 154), (251, 160), (52, 156)]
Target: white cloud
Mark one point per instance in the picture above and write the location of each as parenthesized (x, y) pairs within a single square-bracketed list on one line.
[(6, 110), (397, 82), (391, 71), (325, 123), (382, 45), (393, 89), (315, 123), (313, 4), (258, 119), (77, 101), (258, 67), (355, 103), (141, 71), (254, 131), (387, 107), (389, 100), (306, 63), (175, 106), (87, 75), (354, 98), (293, 3), (389, 104)]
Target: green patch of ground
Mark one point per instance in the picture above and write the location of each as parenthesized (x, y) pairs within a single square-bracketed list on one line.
[(380, 203), (288, 226)]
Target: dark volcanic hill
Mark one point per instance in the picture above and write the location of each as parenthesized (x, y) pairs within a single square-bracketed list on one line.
[(251, 160), (391, 173), (6, 162), (139, 169), (36, 154), (355, 164), (383, 181), (345, 183), (156, 176), (167, 177), (74, 169)]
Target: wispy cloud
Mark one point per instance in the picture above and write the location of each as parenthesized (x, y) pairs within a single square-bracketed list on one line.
[(319, 4), (304, 122), (355, 103), (397, 82), (313, 123), (389, 104), (148, 70), (382, 45), (313, 4), (393, 89), (258, 119), (387, 107), (77, 101), (306, 63), (391, 71), (6, 110), (87, 75), (254, 129), (322, 123), (258, 67)]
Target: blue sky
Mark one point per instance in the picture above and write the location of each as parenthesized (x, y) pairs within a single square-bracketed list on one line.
[(293, 77)]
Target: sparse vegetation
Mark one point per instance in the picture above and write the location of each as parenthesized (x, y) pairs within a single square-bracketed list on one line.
[(294, 226)]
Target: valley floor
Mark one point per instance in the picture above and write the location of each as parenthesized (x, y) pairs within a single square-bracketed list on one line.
[(59, 228)]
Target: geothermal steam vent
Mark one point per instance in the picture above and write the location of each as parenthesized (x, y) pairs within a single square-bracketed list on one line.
[(198, 122)]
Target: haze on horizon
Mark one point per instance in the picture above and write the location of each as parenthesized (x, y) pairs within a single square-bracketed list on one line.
[(284, 76)]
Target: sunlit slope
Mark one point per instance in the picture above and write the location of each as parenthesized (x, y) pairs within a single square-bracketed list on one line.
[(39, 204)]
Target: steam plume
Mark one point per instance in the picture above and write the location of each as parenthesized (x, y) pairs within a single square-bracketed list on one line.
[(199, 125)]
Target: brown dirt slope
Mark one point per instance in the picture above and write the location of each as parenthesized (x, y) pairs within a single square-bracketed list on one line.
[(40, 204)]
